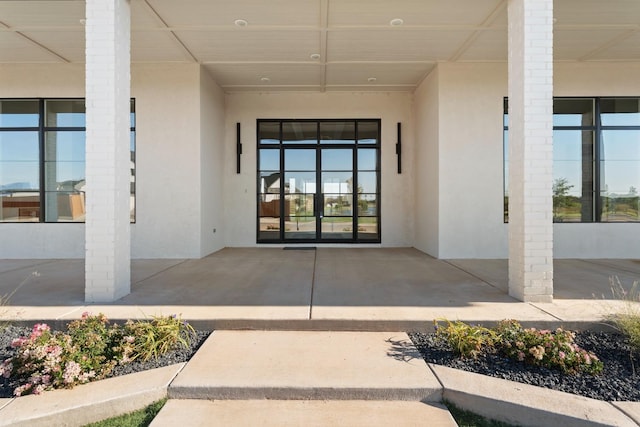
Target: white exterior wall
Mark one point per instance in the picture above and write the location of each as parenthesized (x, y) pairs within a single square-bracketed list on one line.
[(471, 155), (426, 163), (212, 135), (397, 190), (179, 119)]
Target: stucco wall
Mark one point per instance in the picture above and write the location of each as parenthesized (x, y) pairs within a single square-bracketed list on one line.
[(397, 190), (426, 119), (211, 164), (168, 138), (470, 154)]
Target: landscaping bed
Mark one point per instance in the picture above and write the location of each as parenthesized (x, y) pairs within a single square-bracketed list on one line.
[(617, 382), (177, 354)]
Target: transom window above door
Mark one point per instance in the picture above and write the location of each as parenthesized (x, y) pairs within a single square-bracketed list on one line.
[(318, 181)]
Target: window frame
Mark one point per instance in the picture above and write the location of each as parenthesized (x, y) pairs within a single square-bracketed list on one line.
[(42, 130), (597, 128), (319, 145)]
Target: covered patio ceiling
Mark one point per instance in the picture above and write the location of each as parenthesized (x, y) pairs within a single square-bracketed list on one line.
[(318, 45)]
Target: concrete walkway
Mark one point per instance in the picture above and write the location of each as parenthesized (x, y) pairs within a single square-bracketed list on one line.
[(306, 366), (312, 378), (324, 289)]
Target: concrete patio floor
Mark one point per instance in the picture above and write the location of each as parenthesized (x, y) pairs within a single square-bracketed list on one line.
[(327, 288)]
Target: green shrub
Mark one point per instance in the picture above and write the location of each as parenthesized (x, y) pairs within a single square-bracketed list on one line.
[(555, 350), (628, 320), (150, 339), (466, 340)]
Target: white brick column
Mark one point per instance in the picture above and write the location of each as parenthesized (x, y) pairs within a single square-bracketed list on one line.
[(531, 150), (107, 250)]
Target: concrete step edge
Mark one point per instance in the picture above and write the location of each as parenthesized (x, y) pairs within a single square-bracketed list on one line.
[(305, 393)]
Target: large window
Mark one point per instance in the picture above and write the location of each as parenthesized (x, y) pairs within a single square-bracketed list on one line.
[(42, 160), (596, 159), (318, 181)]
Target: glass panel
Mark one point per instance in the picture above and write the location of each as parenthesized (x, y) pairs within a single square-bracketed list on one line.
[(301, 204), (337, 160), (19, 206), (367, 159), (19, 176), (337, 182), (337, 133), (65, 146), (620, 175), (572, 176), (269, 160), (64, 113), (18, 113), (367, 132), (367, 182), (368, 228), (300, 132), (64, 176), (300, 228), (269, 133), (337, 228), (367, 204), (64, 206), (620, 112), (132, 116), (300, 160), (269, 228), (573, 112), (132, 201), (269, 205), (337, 204), (269, 182), (300, 182), (19, 146)]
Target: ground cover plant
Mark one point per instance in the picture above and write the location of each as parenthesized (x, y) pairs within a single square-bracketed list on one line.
[(627, 320), (91, 348), (595, 364)]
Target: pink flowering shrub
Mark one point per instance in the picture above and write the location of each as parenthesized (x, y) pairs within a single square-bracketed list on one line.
[(89, 350), (552, 349), (556, 350)]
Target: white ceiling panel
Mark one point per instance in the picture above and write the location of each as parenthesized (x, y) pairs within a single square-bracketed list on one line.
[(490, 45), (625, 50), (384, 74), (14, 48), (68, 44), (278, 74), (282, 34), (209, 46), (59, 13), (225, 12), (143, 17), (392, 45), (574, 44), (610, 12), (412, 12), (156, 46)]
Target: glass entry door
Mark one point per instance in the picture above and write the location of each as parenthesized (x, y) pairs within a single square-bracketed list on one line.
[(318, 181)]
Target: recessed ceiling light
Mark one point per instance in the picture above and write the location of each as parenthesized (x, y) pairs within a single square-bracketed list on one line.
[(240, 23), (314, 56), (265, 79), (372, 79), (396, 22)]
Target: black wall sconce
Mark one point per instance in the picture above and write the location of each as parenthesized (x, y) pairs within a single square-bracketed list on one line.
[(399, 148), (238, 148)]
